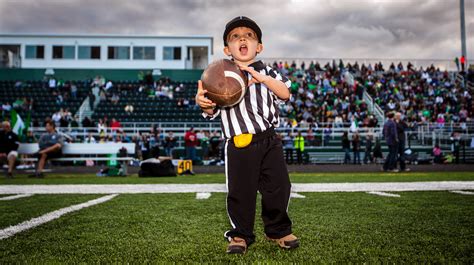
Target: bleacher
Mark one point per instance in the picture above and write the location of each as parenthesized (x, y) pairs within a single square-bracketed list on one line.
[(151, 108), (44, 101)]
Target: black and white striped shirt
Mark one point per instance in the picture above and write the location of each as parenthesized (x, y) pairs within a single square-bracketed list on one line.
[(258, 110)]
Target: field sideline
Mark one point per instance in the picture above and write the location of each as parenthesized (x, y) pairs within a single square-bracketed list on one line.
[(417, 226)]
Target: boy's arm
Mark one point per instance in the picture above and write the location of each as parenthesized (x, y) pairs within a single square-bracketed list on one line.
[(279, 87)]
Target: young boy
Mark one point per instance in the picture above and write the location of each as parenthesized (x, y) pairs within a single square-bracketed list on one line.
[(253, 153)]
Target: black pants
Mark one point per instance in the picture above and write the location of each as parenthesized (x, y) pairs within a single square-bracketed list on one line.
[(391, 159), (401, 155), (289, 155), (257, 167)]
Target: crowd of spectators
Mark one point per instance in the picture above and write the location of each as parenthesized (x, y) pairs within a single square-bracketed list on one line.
[(334, 94)]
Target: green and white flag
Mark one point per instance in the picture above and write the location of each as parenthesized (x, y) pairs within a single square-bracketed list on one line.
[(17, 123)]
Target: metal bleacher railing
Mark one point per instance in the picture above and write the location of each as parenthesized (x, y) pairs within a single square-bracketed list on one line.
[(322, 148)]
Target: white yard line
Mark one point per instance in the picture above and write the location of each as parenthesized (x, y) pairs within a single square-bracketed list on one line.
[(379, 193), (463, 192), (297, 195), (195, 188), (14, 229), (14, 197), (203, 195)]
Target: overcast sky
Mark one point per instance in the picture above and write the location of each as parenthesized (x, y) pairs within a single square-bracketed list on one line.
[(422, 29)]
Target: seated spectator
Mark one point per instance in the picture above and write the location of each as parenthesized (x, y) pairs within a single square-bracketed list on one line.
[(90, 139), (8, 147), (169, 144), (73, 90), (59, 99), (50, 145), (18, 104), (56, 118), (18, 84), (86, 122), (115, 99), (109, 85), (448, 158), (6, 108), (52, 83), (129, 108), (180, 102)]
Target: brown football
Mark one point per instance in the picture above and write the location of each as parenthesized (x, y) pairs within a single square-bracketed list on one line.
[(225, 82)]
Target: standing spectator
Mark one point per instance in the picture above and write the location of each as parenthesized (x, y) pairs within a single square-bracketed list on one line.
[(92, 98), (356, 148), (86, 122), (9, 144), (377, 150), (75, 122), (346, 147), (101, 127), (190, 143), (144, 146), (204, 141), (401, 128), (299, 146), (215, 142), (368, 148), (115, 125), (455, 146), (438, 155), (73, 90), (288, 146), (170, 143), (327, 134), (391, 138), (338, 123), (50, 145)]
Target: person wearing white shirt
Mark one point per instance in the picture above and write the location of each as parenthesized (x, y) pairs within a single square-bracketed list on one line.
[(109, 85), (90, 139), (101, 126), (52, 83)]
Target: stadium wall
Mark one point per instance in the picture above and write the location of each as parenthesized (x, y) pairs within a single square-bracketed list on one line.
[(82, 74)]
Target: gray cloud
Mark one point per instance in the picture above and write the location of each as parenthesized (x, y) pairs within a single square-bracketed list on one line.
[(423, 29)]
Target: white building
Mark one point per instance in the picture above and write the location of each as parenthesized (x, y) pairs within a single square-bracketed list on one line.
[(105, 51)]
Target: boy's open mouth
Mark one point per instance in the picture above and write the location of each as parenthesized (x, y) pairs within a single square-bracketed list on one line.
[(243, 49)]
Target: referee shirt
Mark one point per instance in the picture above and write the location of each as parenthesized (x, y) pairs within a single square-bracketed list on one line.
[(258, 110), (8, 142)]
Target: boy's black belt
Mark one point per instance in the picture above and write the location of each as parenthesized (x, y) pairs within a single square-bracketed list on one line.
[(263, 135), (246, 139)]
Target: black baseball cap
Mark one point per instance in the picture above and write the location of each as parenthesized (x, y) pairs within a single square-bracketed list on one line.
[(242, 21)]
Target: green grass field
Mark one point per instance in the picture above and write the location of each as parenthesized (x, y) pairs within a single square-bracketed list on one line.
[(220, 178), (333, 227)]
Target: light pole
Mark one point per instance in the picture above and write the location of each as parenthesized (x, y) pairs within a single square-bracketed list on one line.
[(463, 32)]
